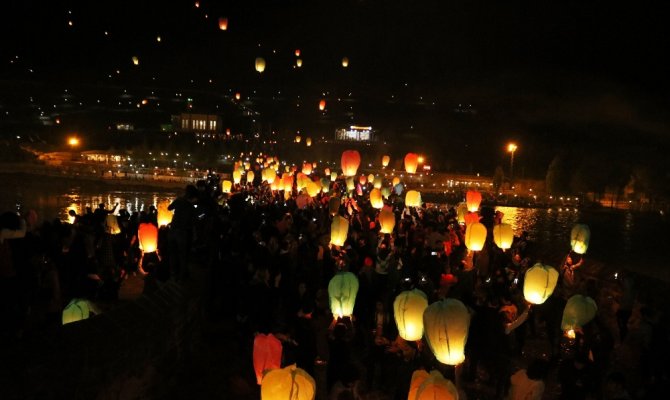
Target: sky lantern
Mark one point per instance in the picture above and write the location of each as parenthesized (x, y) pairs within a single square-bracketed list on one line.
[(578, 311), (398, 188), (148, 237), (395, 181), (313, 188), (471, 218), (322, 104), (76, 310), (238, 96), (408, 310), (267, 354), (326, 172), (386, 220), (378, 182), (325, 185), (297, 52), (342, 290), (288, 383), (288, 183), (333, 176), (580, 235), (223, 23), (339, 229), (237, 176), (226, 186), (164, 216), (411, 163), (308, 141), (503, 236), (136, 61), (385, 161), (376, 199), (539, 283), (197, 4), (445, 324), (350, 161), (413, 198), (362, 179), (345, 62), (473, 199), (260, 64), (275, 185), (250, 176), (298, 138), (461, 212), (112, 224), (386, 192), (334, 205), (425, 386), (371, 179), (270, 175), (298, 62), (307, 168), (475, 236)]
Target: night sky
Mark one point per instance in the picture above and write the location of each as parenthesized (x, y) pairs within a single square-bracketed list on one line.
[(541, 72)]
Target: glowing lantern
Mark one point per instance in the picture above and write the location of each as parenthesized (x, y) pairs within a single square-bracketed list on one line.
[(386, 220), (539, 283), (333, 176), (386, 192), (238, 96), (298, 62), (359, 190), (471, 218), (395, 181), (297, 138), (580, 235), (250, 176), (237, 176), (260, 64), (136, 61), (475, 236), (164, 216), (322, 105), (226, 186), (473, 199), (334, 205), (503, 235), (342, 290), (112, 224), (288, 183), (408, 310), (345, 62), (461, 212), (362, 179), (326, 172), (325, 185), (297, 52), (270, 175), (267, 354), (197, 4), (413, 199), (307, 168), (350, 183), (385, 161), (308, 142), (398, 189), (223, 23), (339, 229), (288, 383), (445, 325), (76, 310), (148, 237), (371, 178), (578, 311), (378, 181), (425, 386), (411, 163), (376, 199), (274, 186), (313, 188)]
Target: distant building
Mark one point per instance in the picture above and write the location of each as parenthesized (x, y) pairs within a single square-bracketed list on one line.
[(197, 123), (123, 126), (355, 134)]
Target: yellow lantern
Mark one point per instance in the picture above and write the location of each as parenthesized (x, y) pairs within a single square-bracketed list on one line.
[(386, 192), (350, 183), (136, 61), (578, 311), (385, 161), (298, 62), (376, 200), (432, 386), (395, 181), (326, 172), (164, 216), (275, 185), (475, 236), (580, 235), (345, 62), (147, 234), (238, 96), (267, 354), (339, 229), (408, 310), (411, 163), (237, 176), (307, 168), (539, 283), (223, 23), (473, 199), (378, 181), (342, 290), (334, 205), (413, 198), (288, 183), (386, 220), (112, 224), (260, 64), (322, 105), (446, 323), (325, 185), (270, 175), (503, 236), (76, 310), (308, 142), (226, 186), (297, 138), (250, 176), (288, 383), (313, 188), (333, 176), (371, 178), (350, 161), (461, 212)]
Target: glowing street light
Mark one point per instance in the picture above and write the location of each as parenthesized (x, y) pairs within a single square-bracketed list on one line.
[(511, 148)]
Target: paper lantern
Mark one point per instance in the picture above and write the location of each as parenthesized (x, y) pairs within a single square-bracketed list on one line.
[(322, 105), (471, 218), (445, 325), (362, 179), (345, 62), (425, 386), (475, 236), (473, 199), (413, 199), (503, 236), (237, 176), (326, 172), (398, 189), (408, 310), (76, 310), (461, 212), (411, 163), (298, 138), (290, 383), (270, 175), (260, 64), (376, 199), (539, 283), (325, 185), (333, 176), (580, 235), (378, 182), (298, 62), (386, 192), (223, 23), (371, 178), (395, 182), (147, 234), (350, 184), (578, 311), (112, 224), (307, 168), (136, 61), (267, 354), (339, 229), (164, 216), (334, 205), (386, 220), (385, 161), (350, 161), (238, 96), (342, 290), (275, 185), (226, 186), (308, 142), (250, 176), (313, 188), (297, 52)]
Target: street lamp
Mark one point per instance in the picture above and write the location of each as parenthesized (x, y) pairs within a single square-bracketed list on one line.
[(511, 148)]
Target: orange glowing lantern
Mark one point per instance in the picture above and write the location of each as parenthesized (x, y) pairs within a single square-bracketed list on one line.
[(250, 176), (288, 383), (164, 216), (237, 176), (376, 199), (147, 234), (475, 236), (226, 186), (307, 168), (580, 235), (503, 235), (386, 220), (223, 23), (425, 386), (413, 199), (238, 96), (345, 62), (371, 179), (473, 199), (298, 139), (322, 105), (112, 225), (308, 141), (297, 52), (260, 64), (326, 172), (395, 181), (471, 218), (385, 161), (350, 161), (267, 354), (313, 188), (362, 179), (339, 229), (411, 163)]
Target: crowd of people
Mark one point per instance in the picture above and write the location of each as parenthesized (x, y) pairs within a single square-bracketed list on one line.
[(268, 255)]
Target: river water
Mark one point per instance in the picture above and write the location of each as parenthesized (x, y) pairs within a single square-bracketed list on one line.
[(621, 239)]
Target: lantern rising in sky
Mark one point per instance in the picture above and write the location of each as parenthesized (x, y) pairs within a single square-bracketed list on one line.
[(223, 23), (350, 161), (147, 234), (339, 230), (503, 235), (136, 61), (322, 104), (473, 199), (411, 163), (345, 62), (385, 161), (260, 64), (475, 236)]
